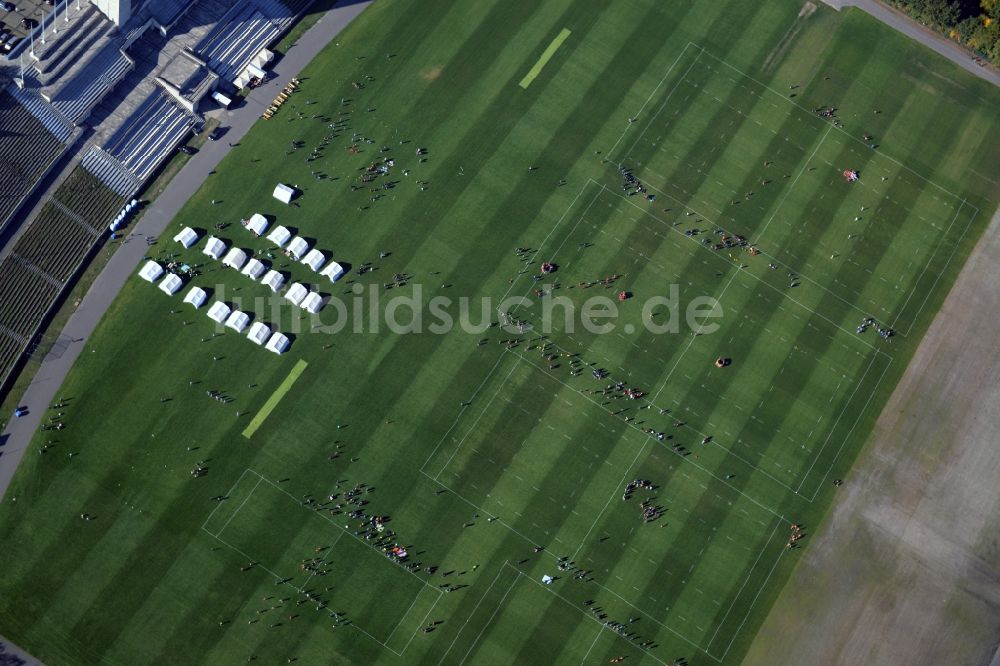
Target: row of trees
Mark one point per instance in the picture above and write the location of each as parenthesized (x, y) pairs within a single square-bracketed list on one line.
[(972, 23)]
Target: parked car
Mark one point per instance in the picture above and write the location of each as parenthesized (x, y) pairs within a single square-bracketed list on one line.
[(216, 134), (188, 150), (7, 6)]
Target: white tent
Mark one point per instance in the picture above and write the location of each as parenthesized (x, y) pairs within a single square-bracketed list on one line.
[(196, 297), (259, 333), (314, 259), (296, 293), (313, 302), (151, 272), (187, 237), (257, 224), (284, 193), (235, 259), (279, 235), (298, 247), (278, 343), (254, 269), (218, 312), (274, 280), (214, 247), (237, 320), (171, 284), (262, 58), (333, 270)]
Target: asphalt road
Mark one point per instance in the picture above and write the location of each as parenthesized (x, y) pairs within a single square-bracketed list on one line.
[(921, 34), (42, 391)]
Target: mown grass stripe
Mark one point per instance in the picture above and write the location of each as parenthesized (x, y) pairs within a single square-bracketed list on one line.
[(275, 398), (545, 57)]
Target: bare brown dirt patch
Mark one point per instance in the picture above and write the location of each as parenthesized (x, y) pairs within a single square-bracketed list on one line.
[(906, 569)]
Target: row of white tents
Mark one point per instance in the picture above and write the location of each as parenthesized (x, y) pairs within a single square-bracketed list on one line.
[(218, 312)]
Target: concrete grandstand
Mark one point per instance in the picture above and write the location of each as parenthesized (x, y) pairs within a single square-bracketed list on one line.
[(90, 111)]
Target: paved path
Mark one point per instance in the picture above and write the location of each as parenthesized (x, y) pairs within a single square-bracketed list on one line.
[(922, 34), (42, 391)]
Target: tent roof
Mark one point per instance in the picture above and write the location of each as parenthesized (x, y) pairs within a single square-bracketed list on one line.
[(218, 312), (151, 271), (296, 292), (237, 320), (214, 247), (187, 237), (235, 258), (284, 193), (258, 333), (279, 235), (278, 343), (257, 224), (274, 280), (254, 269), (299, 247), (196, 296), (314, 259), (313, 302), (171, 284), (333, 270)]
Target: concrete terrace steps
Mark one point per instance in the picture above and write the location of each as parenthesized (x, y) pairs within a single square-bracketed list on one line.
[(78, 97), (54, 121), (70, 48), (110, 171)]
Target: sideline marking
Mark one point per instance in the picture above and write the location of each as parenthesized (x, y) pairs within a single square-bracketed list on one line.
[(275, 398), (545, 57)]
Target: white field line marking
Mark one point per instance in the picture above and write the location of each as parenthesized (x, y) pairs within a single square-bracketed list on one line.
[(610, 152), (654, 620), (842, 131), (755, 277), (507, 293), (422, 622), (736, 633), (614, 494), (791, 186), (834, 426), (219, 504), (245, 500), (496, 610), (345, 530), (597, 637), (594, 619), (739, 592), (486, 407), (406, 614), (848, 436), (929, 260), (679, 455), (474, 609)]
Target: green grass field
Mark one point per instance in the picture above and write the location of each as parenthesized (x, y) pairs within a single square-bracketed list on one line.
[(480, 446)]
